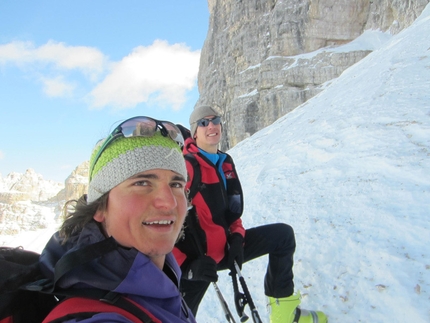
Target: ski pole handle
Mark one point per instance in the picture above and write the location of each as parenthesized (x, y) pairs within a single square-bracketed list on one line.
[(255, 316), (239, 299)]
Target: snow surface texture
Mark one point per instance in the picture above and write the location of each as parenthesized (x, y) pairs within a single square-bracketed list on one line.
[(349, 170)]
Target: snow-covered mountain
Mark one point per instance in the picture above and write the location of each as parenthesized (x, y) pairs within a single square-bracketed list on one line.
[(25, 202), (350, 171), (30, 184), (28, 202)]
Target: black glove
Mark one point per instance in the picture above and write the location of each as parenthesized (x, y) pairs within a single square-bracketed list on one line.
[(235, 251), (203, 268)]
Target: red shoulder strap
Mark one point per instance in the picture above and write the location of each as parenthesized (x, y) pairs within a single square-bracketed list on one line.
[(76, 305)]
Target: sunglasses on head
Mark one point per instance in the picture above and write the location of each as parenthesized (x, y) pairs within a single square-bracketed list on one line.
[(205, 122), (140, 127)]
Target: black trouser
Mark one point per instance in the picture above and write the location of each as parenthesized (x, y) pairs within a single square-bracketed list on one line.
[(278, 241)]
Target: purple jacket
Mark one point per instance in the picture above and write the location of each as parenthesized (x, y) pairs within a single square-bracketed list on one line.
[(123, 270)]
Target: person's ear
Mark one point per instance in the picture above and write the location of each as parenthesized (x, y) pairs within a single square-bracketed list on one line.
[(99, 216)]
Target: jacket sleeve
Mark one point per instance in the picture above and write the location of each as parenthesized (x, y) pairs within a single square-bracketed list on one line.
[(237, 227)]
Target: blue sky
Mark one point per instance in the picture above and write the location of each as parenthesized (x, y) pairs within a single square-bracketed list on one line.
[(71, 70)]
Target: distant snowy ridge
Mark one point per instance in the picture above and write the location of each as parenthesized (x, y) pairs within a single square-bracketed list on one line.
[(28, 202), (24, 202), (30, 185)]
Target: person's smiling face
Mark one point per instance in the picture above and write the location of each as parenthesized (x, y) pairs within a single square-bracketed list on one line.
[(208, 138), (146, 212)]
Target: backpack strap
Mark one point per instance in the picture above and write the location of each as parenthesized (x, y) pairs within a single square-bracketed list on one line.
[(83, 307), (71, 261), (83, 256), (196, 183)]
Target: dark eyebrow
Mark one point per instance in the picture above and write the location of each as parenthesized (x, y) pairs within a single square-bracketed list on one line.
[(179, 178), (149, 176), (154, 176)]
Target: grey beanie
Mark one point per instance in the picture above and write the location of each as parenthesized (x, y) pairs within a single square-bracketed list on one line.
[(200, 113), (126, 157)]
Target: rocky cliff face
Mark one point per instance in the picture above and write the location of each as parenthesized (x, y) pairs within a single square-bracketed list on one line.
[(76, 184), (29, 202), (252, 64)]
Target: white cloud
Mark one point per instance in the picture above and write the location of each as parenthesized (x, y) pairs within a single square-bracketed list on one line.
[(57, 87), (160, 72), (88, 60)]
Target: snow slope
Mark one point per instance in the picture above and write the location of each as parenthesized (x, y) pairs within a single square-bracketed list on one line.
[(349, 170)]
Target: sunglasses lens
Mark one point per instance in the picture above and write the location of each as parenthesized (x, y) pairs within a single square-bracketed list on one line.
[(144, 127), (202, 123), (216, 121), (173, 132)]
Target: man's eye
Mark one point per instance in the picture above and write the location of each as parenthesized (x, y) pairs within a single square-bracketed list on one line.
[(178, 185), (141, 183)]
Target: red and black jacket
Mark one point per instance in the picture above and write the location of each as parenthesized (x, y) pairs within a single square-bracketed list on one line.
[(212, 219)]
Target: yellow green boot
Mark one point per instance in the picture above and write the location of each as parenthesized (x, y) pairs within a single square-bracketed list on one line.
[(286, 310)]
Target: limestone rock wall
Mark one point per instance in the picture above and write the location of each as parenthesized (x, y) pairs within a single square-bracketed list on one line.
[(28, 202), (76, 184), (252, 65)]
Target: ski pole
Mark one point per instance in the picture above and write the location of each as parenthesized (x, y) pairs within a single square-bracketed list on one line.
[(255, 315), (239, 299), (224, 305)]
